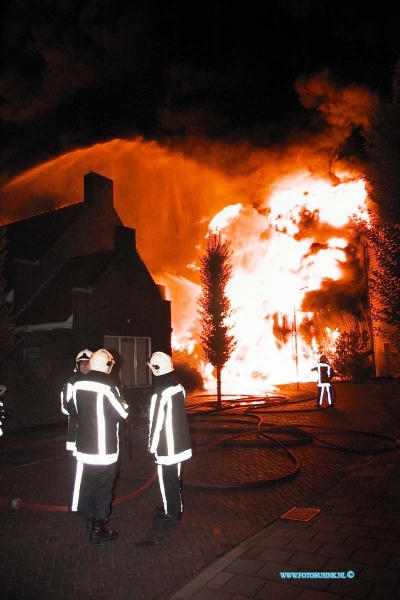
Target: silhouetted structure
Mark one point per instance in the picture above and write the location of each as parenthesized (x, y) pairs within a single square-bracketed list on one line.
[(76, 280)]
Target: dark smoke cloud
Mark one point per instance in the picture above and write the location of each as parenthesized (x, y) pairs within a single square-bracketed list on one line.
[(53, 50), (336, 297), (343, 108), (75, 72), (186, 108)]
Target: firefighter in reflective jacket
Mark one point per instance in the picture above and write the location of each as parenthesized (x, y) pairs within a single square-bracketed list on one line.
[(169, 437), (97, 404), (81, 371), (325, 375)]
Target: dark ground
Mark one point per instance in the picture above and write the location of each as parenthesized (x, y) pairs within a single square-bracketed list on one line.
[(287, 450)]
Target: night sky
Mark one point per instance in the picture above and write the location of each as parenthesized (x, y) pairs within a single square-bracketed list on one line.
[(79, 72)]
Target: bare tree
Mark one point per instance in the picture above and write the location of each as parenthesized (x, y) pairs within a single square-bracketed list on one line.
[(214, 305)]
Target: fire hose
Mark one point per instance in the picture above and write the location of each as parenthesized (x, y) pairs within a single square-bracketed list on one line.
[(250, 407)]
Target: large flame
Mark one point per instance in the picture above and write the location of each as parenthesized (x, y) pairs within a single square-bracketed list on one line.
[(282, 252), (293, 249)]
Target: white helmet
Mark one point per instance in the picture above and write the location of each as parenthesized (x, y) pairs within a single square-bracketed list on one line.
[(83, 355), (160, 363), (102, 361)]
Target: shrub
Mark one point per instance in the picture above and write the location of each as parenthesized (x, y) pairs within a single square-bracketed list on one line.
[(351, 358), (189, 377)]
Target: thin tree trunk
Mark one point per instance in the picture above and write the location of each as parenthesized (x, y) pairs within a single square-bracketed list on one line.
[(219, 399)]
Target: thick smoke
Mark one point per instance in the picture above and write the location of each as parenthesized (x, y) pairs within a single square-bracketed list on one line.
[(343, 108), (73, 74), (286, 210), (55, 51)]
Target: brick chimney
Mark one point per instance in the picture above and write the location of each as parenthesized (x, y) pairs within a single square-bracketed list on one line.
[(98, 189)]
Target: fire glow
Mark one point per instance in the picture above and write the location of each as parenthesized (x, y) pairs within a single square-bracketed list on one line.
[(283, 251), (289, 229)]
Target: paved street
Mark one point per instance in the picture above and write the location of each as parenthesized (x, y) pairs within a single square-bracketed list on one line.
[(252, 464)]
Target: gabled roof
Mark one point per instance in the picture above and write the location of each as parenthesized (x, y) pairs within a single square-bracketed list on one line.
[(30, 238), (53, 304)]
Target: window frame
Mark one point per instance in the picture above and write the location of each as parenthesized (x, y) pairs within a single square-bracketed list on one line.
[(31, 353), (116, 342)]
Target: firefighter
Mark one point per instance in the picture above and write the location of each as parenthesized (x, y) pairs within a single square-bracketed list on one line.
[(81, 371), (169, 437), (325, 375), (3, 412), (97, 404)]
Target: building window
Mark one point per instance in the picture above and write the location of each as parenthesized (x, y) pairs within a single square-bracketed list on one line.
[(31, 353), (131, 355)]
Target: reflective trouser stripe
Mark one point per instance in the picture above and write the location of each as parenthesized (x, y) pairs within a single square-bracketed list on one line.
[(325, 387), (162, 487), (180, 485), (77, 486), (170, 487)]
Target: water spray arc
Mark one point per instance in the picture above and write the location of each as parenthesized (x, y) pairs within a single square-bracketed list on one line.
[(287, 224)]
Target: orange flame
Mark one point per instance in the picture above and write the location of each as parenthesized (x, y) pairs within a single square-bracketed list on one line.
[(274, 268), (287, 224)]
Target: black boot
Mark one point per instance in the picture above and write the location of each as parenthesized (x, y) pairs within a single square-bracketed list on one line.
[(159, 510), (89, 524), (101, 533)]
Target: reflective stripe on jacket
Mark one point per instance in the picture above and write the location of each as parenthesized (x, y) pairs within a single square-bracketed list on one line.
[(325, 373), (169, 436), (97, 404)]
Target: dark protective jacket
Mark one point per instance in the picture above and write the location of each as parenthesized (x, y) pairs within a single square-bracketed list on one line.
[(66, 395), (169, 436), (99, 408), (325, 373)]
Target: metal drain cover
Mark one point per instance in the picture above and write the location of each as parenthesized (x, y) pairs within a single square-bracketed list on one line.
[(301, 514)]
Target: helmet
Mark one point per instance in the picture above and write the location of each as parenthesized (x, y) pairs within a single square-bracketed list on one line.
[(322, 359), (102, 361), (160, 363), (83, 355)]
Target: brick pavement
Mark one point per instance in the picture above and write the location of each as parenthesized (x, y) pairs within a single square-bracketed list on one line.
[(357, 534), (45, 554)]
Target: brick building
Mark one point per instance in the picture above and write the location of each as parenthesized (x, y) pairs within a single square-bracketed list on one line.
[(76, 280)]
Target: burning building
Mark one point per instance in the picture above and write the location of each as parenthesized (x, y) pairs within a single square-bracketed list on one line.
[(299, 270)]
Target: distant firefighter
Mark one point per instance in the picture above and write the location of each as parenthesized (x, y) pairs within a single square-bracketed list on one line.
[(325, 375), (3, 412)]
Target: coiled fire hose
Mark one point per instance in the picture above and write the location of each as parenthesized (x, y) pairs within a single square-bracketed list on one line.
[(249, 407)]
